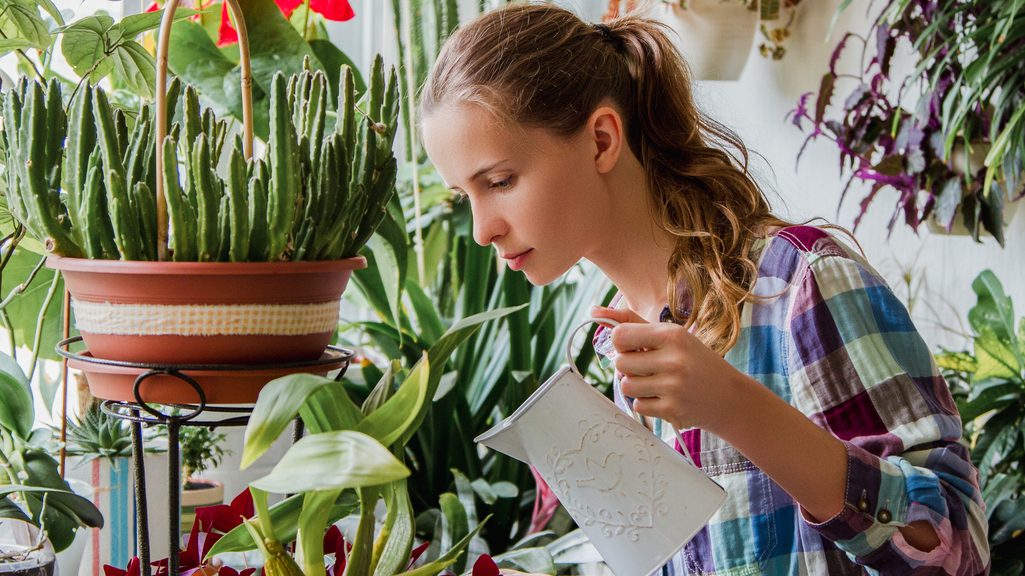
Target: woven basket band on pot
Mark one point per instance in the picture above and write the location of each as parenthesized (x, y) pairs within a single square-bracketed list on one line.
[(205, 319)]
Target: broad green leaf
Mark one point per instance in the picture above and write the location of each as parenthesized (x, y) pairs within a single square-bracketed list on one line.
[(24, 310), (278, 405), (195, 58), (21, 20), (10, 44), (11, 510), (274, 44), (284, 517), (383, 390), (1008, 519), (987, 397), (333, 60), (16, 409), (395, 417), (85, 48), (392, 547), (331, 460), (996, 358), (134, 66), (448, 558), (993, 310)]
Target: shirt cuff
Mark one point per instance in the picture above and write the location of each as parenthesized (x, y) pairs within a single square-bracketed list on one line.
[(875, 504)]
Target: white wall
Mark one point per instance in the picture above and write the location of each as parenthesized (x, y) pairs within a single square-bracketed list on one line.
[(755, 107)]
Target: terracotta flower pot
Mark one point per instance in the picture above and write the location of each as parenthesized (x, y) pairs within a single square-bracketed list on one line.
[(206, 313)]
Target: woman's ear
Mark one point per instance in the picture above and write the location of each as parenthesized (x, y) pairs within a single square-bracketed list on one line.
[(605, 127)]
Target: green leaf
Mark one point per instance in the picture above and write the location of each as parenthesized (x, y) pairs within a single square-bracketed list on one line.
[(427, 318), (84, 46), (278, 405), (996, 358), (331, 460), (533, 560), (10, 44), (994, 310), (195, 58), (21, 20), (333, 60), (433, 568), (387, 266), (455, 524), (313, 521), (395, 417), (391, 550), (134, 24), (284, 517), (16, 410), (135, 68), (24, 310), (274, 44), (444, 347), (11, 510)]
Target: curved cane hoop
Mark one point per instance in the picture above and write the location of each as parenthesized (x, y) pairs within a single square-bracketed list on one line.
[(163, 46)]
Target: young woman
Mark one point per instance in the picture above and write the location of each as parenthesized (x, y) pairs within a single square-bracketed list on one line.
[(801, 383)]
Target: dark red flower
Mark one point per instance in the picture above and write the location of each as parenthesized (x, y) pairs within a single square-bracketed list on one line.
[(225, 517), (485, 566)]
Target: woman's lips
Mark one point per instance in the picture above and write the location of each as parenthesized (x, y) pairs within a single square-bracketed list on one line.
[(516, 260)]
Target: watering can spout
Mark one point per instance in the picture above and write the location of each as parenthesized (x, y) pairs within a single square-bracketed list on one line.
[(506, 440)]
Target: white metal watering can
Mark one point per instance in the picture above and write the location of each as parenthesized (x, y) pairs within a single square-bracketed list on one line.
[(637, 500)]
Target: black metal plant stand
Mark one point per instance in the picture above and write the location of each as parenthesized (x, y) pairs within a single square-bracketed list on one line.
[(141, 413)]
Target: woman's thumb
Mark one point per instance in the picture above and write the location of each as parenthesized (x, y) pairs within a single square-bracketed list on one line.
[(619, 315)]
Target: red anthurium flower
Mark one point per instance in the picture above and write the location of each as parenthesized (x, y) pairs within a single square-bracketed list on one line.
[(416, 553), (334, 543), (134, 569), (336, 10), (225, 517), (485, 566)]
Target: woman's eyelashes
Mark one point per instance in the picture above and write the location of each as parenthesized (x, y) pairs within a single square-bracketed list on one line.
[(503, 184), (496, 185)]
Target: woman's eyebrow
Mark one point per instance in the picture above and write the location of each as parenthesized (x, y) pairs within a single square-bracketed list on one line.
[(482, 171)]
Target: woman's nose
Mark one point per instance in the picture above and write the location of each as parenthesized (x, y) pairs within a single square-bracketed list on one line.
[(487, 225)]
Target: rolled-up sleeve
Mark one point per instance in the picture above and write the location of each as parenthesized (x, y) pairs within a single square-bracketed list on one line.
[(859, 369)]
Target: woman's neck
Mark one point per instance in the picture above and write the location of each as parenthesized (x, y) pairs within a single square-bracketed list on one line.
[(633, 251)]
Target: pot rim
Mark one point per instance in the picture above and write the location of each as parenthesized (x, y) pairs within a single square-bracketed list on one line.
[(102, 266)]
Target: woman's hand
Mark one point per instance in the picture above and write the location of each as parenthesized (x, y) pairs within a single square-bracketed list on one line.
[(670, 373)]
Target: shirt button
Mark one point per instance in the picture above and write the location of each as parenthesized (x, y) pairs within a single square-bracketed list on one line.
[(863, 505), (884, 516)]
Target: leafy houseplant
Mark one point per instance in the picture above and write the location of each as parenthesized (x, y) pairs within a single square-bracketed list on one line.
[(988, 383), (350, 447), (971, 84), (31, 488)]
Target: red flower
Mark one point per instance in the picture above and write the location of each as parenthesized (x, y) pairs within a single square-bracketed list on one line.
[(485, 566), (134, 569), (335, 10), (545, 504), (225, 517)]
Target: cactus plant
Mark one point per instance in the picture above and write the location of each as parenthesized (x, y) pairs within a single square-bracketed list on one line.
[(318, 195)]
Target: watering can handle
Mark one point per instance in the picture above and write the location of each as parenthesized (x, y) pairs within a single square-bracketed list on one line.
[(572, 366)]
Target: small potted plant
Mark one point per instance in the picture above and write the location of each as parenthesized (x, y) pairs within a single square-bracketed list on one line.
[(201, 449), (31, 488)]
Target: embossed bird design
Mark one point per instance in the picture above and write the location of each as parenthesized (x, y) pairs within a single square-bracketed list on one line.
[(605, 475)]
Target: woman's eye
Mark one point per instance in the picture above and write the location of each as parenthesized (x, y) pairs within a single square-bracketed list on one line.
[(501, 184)]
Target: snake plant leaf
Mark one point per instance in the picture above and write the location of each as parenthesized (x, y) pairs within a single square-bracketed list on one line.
[(333, 460), (455, 525), (284, 517), (395, 417), (280, 402), (16, 411), (443, 348), (391, 272)]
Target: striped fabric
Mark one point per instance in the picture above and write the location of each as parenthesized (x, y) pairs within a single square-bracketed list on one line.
[(838, 345)]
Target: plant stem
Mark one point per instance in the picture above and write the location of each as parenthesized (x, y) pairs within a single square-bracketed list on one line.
[(39, 323), (306, 22), (24, 285)]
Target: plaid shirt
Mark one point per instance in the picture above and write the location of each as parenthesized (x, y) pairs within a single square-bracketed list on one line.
[(840, 347)]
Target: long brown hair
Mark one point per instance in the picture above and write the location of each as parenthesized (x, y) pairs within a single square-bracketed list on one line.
[(542, 66)]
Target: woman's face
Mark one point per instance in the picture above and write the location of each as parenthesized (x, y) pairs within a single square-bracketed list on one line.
[(536, 196)]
